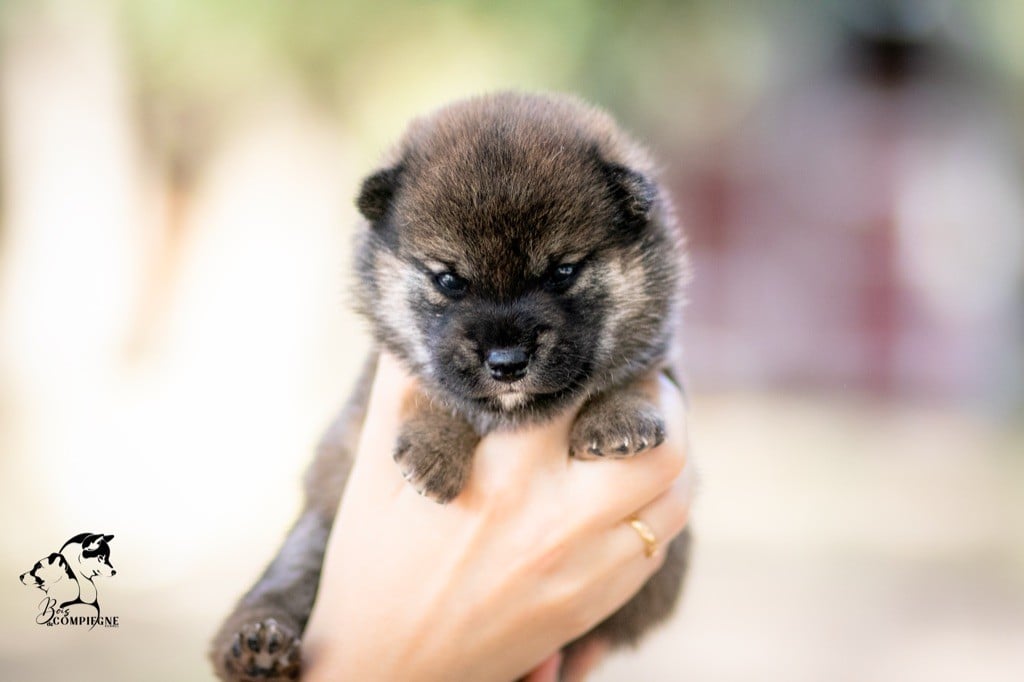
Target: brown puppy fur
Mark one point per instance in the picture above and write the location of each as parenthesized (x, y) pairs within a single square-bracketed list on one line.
[(519, 258)]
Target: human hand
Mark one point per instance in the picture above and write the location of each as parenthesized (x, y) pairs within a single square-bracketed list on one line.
[(532, 554)]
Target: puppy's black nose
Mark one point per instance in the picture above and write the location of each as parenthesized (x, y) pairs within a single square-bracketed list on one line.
[(507, 364)]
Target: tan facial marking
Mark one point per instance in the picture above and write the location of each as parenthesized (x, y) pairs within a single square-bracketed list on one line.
[(399, 281), (625, 292)]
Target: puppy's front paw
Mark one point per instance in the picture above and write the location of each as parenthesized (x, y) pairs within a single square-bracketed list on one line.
[(267, 650), (432, 467), (616, 428)]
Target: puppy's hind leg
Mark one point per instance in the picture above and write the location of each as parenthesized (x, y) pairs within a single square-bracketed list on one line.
[(260, 639)]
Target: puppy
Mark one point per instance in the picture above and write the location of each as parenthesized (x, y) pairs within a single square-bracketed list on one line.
[(519, 257)]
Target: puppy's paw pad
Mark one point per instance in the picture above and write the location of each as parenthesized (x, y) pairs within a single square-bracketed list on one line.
[(430, 470), (625, 435), (267, 650)]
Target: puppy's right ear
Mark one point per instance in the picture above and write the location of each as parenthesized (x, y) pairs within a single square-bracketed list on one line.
[(378, 192)]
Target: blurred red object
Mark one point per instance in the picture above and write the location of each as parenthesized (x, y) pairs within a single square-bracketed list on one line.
[(863, 229)]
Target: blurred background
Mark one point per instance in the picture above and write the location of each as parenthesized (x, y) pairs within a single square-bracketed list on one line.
[(176, 211)]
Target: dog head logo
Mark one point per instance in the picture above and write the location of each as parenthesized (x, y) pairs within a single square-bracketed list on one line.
[(66, 577), (93, 554)]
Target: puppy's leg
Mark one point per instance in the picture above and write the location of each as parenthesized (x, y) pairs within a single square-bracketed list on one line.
[(260, 639), (618, 423), (435, 449)]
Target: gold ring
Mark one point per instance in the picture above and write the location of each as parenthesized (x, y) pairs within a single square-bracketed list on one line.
[(646, 534)]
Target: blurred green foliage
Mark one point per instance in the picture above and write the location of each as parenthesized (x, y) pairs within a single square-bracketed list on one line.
[(646, 60), (670, 70)]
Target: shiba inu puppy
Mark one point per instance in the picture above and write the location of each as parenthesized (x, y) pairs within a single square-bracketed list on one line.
[(519, 257)]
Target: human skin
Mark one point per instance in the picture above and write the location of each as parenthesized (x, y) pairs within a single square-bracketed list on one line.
[(533, 553)]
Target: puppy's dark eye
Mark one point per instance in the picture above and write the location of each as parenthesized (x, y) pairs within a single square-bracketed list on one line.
[(451, 284), (561, 276)]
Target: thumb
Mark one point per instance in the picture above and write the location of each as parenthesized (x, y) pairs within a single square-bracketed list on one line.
[(391, 391)]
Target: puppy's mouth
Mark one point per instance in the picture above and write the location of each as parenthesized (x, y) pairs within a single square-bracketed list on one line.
[(542, 388), (512, 399), (518, 396), (516, 391)]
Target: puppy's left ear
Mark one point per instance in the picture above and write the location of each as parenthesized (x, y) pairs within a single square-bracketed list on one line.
[(378, 193), (633, 193)]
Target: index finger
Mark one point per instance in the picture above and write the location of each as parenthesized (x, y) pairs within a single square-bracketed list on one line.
[(518, 453)]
